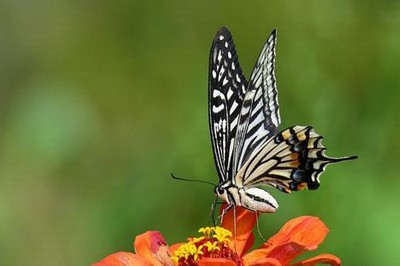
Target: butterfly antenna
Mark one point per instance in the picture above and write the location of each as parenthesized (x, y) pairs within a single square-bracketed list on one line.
[(191, 180)]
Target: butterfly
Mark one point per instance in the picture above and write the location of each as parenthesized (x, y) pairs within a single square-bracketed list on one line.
[(249, 151)]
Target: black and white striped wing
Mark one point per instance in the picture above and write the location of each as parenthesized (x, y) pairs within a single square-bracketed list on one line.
[(292, 160), (259, 116), (226, 87)]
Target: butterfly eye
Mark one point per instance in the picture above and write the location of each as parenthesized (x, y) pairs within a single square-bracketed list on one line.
[(219, 190)]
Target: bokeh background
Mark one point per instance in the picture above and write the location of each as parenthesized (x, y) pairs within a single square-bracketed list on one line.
[(101, 100)]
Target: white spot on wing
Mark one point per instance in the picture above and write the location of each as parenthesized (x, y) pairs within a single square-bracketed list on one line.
[(224, 125), (274, 119), (238, 78), (229, 94), (233, 108), (317, 165), (219, 56), (243, 89), (258, 83), (224, 83), (221, 72), (234, 122), (218, 94), (217, 109)]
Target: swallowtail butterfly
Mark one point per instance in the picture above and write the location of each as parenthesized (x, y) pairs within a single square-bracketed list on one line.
[(249, 151)]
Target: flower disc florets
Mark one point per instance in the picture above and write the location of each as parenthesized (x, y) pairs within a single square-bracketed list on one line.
[(213, 244)]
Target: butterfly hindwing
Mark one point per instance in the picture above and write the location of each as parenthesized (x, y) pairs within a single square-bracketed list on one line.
[(291, 161), (227, 87)]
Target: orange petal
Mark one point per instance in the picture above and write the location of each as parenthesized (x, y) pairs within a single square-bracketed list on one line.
[(296, 236), (248, 245), (285, 253), (122, 259), (265, 262), (259, 257), (241, 227), (306, 231), (215, 262), (323, 258), (152, 247), (174, 247)]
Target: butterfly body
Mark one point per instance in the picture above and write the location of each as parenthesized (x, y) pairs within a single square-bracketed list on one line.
[(249, 151), (254, 199)]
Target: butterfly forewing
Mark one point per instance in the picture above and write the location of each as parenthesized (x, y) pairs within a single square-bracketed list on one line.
[(227, 87), (259, 117)]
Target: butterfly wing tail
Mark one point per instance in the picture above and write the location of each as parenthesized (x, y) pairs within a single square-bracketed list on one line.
[(341, 159)]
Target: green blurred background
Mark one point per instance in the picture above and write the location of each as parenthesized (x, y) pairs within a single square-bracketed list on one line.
[(101, 100)]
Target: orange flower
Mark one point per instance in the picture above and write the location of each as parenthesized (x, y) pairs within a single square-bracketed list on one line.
[(151, 250), (217, 247), (296, 236)]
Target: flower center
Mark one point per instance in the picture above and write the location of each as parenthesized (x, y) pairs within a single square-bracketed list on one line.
[(213, 244)]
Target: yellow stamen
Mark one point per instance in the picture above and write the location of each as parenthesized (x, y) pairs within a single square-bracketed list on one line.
[(222, 235), (186, 250), (197, 239), (212, 246), (206, 230), (215, 239)]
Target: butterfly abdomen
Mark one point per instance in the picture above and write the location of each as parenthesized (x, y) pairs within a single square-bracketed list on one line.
[(257, 199)]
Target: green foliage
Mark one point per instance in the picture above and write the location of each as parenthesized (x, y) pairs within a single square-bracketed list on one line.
[(100, 102)]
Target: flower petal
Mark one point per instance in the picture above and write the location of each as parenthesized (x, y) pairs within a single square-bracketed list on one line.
[(285, 253), (296, 236), (152, 247), (259, 257), (241, 227), (215, 262), (174, 247), (122, 259), (323, 258), (248, 244), (307, 231)]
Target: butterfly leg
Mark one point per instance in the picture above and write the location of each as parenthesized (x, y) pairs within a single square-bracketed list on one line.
[(212, 210), (225, 210), (258, 226), (234, 227)]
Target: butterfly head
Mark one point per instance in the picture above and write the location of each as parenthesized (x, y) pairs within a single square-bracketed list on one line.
[(221, 190)]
